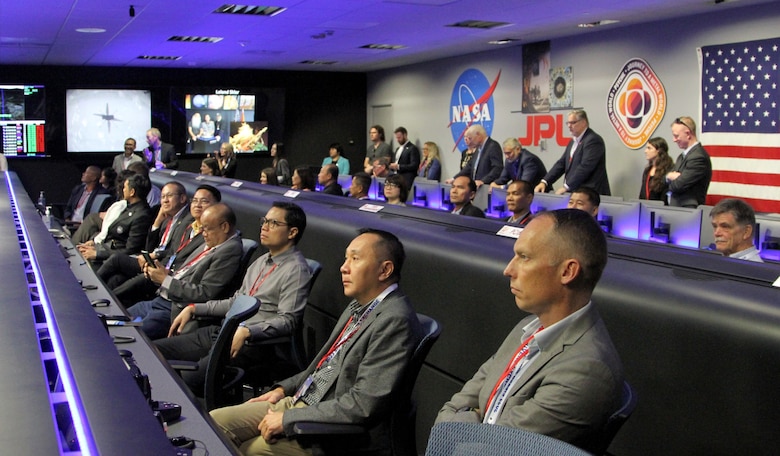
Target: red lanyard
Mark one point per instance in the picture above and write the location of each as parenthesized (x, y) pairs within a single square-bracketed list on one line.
[(193, 261), (183, 243), (647, 186), (164, 238), (342, 339), (519, 355), (256, 285)]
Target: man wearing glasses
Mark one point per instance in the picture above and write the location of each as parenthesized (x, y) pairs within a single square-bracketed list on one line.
[(584, 162), (691, 175), (279, 280)]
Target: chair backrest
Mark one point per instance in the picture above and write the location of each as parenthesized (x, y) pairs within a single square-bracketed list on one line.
[(616, 421), (97, 203), (298, 345), (477, 439), (215, 393)]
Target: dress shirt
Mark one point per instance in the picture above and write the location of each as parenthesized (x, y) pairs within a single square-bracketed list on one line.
[(749, 254), (112, 213)]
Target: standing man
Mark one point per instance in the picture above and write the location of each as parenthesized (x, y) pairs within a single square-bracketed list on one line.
[(462, 192), (407, 157), (83, 195), (734, 223), (377, 149), (557, 373), (520, 164), (519, 196), (159, 154), (584, 162), (123, 160), (354, 377), (485, 164), (329, 179), (691, 175)]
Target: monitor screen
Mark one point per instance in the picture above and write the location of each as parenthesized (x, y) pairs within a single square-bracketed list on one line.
[(22, 120), (224, 115), (99, 120)]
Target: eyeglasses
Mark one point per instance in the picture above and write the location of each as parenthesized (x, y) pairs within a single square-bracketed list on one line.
[(392, 186), (271, 222), (199, 201), (573, 122)]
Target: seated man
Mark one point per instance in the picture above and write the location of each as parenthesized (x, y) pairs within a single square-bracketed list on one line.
[(519, 196), (585, 199), (354, 377), (204, 275), (462, 192), (361, 182), (83, 195), (733, 223), (329, 179), (127, 234), (279, 280), (381, 167), (557, 373)]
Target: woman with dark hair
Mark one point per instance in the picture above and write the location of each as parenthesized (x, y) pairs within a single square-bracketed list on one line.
[(303, 179), (108, 180), (281, 165), (654, 186), (268, 177), (395, 190), (209, 167)]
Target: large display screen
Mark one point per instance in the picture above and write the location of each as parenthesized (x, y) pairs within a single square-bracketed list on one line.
[(22, 120), (99, 120), (221, 116)]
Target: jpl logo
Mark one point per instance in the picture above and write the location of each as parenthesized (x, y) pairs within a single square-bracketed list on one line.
[(471, 103)]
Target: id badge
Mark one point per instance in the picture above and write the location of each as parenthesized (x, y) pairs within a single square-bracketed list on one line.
[(302, 390)]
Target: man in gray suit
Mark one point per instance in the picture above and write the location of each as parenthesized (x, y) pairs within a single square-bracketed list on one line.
[(692, 173), (557, 373), (354, 378)]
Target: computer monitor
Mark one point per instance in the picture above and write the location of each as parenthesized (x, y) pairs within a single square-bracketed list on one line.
[(345, 180), (427, 193), (23, 120), (674, 225), (497, 204), (620, 218), (377, 189), (768, 236), (549, 202)]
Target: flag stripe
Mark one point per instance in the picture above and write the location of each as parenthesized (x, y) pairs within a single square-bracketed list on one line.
[(747, 165), (772, 153), (759, 205), (746, 178)]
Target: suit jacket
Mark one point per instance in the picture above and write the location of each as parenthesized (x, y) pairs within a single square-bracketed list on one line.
[(568, 392), (178, 229), (530, 168), (167, 156), (491, 163), (230, 168), (118, 163), (374, 361), (431, 171), (472, 211), (587, 168), (408, 163), (75, 196), (690, 188), (209, 277), (333, 189), (128, 232)]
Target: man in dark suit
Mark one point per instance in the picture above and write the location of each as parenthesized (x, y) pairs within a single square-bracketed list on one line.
[(204, 276), (520, 164), (354, 377), (407, 157), (584, 161), (462, 192), (128, 232), (486, 163), (691, 175), (83, 195), (159, 154), (557, 373), (329, 179)]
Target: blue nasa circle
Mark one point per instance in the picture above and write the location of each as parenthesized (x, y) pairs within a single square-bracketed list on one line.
[(470, 86)]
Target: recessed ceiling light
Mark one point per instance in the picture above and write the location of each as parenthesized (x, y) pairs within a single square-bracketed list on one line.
[(91, 30), (383, 47), (504, 41), (318, 62), (196, 39), (250, 10), (597, 23), (159, 57), (478, 24)]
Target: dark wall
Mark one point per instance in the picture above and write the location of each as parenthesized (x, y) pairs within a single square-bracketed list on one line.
[(320, 108)]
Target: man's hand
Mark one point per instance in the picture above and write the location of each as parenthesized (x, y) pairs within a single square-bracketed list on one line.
[(672, 176), (239, 337), (479, 183), (271, 426), (541, 187), (449, 181), (273, 396), (393, 166), (561, 190), (87, 251), (178, 323), (155, 272)]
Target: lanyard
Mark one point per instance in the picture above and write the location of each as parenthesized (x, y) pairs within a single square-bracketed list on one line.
[(256, 285), (164, 238), (343, 339), (193, 262), (519, 355)]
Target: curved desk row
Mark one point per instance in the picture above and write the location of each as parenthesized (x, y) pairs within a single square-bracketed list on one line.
[(90, 394), (699, 334)]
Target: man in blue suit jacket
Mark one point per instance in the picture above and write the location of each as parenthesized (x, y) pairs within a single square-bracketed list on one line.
[(486, 163), (520, 164), (584, 161)]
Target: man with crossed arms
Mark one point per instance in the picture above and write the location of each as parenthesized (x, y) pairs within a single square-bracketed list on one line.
[(557, 373)]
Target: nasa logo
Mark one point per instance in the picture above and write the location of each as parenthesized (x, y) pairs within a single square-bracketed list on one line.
[(636, 103), (471, 103)]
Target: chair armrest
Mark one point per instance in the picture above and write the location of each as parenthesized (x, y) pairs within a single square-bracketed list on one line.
[(329, 435), (182, 365), (311, 428), (271, 341)]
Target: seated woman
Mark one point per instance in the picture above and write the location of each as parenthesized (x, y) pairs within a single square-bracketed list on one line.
[(268, 177), (303, 179), (430, 167), (654, 186), (395, 190), (209, 167)]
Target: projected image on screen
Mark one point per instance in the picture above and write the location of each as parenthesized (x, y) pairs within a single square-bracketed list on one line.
[(99, 120), (225, 115)]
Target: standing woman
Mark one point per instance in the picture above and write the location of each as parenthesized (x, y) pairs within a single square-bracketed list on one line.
[(430, 168), (281, 165), (654, 186)]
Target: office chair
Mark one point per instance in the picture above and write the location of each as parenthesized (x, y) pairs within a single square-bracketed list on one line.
[(616, 421), (326, 438), (223, 382), (477, 439)]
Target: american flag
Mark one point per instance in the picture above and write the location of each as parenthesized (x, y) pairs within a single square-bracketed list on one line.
[(740, 121)]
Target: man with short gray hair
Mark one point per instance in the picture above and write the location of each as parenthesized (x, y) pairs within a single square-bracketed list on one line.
[(733, 223)]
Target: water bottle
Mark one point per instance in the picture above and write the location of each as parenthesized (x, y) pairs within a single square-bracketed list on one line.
[(42, 201), (47, 217)]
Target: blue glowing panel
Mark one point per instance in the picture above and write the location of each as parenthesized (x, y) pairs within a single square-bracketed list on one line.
[(624, 217), (548, 202), (427, 193), (675, 225), (768, 239)]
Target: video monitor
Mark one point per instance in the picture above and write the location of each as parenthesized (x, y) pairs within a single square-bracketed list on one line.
[(23, 120), (549, 202), (224, 115), (99, 120), (496, 207), (768, 236), (427, 193), (673, 225), (620, 218)]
